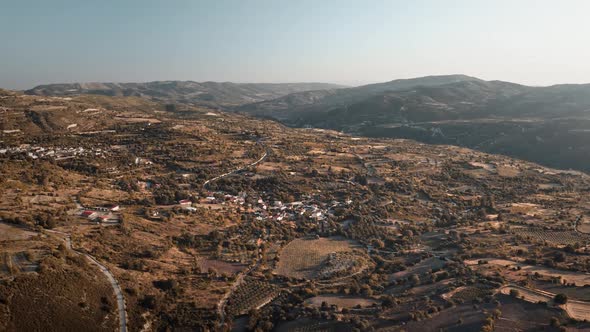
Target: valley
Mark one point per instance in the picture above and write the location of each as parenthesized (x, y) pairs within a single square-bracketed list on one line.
[(213, 220)]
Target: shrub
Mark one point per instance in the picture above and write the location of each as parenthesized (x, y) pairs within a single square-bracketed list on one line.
[(148, 302), (560, 298)]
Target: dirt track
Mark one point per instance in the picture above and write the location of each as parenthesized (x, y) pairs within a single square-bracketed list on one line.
[(579, 278)]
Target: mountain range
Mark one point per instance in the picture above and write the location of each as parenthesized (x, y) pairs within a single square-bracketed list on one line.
[(217, 94), (548, 125)]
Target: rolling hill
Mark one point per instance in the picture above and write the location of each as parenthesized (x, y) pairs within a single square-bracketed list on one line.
[(288, 106), (219, 94), (549, 125)]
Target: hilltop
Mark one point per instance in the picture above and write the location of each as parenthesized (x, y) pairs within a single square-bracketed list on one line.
[(291, 105)]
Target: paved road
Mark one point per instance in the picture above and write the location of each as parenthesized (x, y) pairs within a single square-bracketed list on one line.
[(116, 289), (114, 284)]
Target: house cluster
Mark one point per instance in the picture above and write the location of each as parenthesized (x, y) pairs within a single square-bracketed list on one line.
[(57, 153), (307, 210), (145, 185), (142, 161), (213, 198), (187, 205), (101, 214)]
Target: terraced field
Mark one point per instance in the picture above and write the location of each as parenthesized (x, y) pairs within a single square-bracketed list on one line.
[(251, 295), (579, 278), (578, 310), (555, 237)]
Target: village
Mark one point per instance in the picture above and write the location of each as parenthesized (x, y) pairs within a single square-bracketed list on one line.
[(55, 153), (285, 213)]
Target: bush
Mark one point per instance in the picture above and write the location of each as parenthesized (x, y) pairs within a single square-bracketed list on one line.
[(148, 302), (560, 299), (166, 285)]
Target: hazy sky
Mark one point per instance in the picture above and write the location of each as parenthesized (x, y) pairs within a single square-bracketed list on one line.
[(534, 42)]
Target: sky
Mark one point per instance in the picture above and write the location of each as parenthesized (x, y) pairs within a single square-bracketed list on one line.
[(534, 42)]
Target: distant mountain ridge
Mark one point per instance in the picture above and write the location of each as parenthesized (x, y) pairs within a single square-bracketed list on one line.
[(549, 125), (330, 98), (219, 94)]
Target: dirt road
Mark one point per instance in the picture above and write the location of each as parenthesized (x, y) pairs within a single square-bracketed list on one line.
[(261, 159), (579, 310)]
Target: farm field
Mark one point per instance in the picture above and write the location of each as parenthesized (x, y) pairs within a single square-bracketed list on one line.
[(584, 225), (304, 258), (311, 325), (253, 294), (573, 292), (432, 263), (14, 233), (468, 294), (20, 250), (530, 295), (341, 301), (220, 266), (519, 315), (578, 310), (579, 278), (555, 237), (448, 321)]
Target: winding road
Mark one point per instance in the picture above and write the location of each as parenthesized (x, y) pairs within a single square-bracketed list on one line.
[(114, 284)]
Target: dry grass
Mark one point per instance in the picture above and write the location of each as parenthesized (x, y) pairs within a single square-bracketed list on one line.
[(66, 295), (303, 258), (13, 233), (507, 171), (579, 278), (340, 301)]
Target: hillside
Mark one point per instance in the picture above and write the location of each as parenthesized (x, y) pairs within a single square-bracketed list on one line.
[(550, 125), (321, 100), (205, 93), (253, 218)]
